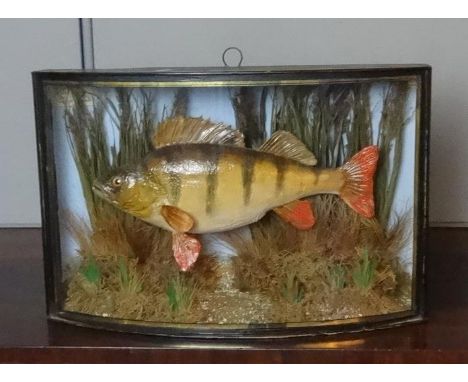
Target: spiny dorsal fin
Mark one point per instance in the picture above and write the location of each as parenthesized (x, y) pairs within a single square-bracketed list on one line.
[(287, 145), (195, 130)]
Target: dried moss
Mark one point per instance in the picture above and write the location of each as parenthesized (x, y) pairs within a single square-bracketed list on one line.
[(130, 288), (322, 273)]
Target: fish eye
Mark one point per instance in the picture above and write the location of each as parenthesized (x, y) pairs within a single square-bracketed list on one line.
[(117, 181)]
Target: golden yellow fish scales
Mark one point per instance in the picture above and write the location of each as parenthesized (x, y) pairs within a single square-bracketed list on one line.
[(200, 179)]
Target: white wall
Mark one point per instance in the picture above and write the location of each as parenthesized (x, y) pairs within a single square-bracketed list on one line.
[(143, 43), (26, 45)]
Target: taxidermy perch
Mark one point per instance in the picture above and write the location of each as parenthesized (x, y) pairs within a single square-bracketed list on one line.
[(201, 179)]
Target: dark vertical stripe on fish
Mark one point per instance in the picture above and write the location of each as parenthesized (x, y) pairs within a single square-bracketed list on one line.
[(247, 176), (281, 167), (175, 185), (212, 179), (317, 174)]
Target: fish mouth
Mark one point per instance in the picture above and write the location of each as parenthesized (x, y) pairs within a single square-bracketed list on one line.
[(102, 191)]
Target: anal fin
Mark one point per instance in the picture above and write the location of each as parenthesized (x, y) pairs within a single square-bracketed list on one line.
[(298, 213)]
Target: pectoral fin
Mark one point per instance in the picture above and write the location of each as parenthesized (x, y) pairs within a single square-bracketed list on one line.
[(298, 213), (186, 250), (179, 220)]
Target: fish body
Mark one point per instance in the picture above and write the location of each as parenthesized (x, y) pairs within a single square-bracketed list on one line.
[(226, 187)]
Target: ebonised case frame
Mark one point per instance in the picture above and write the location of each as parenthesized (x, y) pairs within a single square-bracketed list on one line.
[(242, 76)]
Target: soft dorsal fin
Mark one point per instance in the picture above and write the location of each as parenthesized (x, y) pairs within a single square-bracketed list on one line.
[(283, 143), (195, 130)]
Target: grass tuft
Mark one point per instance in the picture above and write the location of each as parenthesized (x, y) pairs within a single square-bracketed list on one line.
[(364, 271), (129, 278), (91, 271), (292, 289), (180, 293), (337, 276)]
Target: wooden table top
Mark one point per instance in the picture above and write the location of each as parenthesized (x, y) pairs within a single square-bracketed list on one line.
[(27, 336)]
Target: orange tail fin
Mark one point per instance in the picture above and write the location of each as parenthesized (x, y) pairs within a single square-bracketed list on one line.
[(358, 190)]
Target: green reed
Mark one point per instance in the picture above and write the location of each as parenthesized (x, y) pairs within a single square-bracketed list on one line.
[(335, 122), (96, 152), (249, 106)]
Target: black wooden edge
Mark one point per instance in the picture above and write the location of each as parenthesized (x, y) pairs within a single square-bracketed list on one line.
[(253, 332), (423, 191), (49, 203), (229, 73)]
